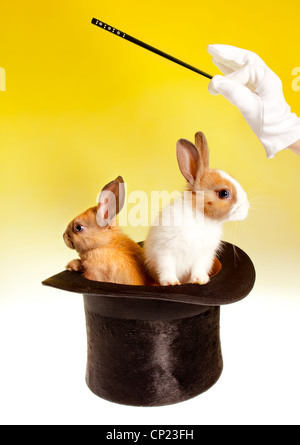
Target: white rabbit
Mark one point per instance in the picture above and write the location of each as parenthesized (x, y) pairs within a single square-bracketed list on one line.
[(184, 239)]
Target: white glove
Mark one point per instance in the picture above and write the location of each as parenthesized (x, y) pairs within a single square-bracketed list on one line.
[(257, 92)]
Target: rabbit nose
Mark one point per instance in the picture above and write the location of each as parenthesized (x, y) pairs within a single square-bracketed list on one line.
[(68, 240)]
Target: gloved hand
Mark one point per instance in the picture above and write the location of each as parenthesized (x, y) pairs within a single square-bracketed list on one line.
[(257, 92)]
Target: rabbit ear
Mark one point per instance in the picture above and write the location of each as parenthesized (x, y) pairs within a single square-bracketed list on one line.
[(202, 146), (111, 201), (188, 160)]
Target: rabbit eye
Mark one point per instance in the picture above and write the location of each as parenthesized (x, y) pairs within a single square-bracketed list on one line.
[(224, 194), (78, 228)]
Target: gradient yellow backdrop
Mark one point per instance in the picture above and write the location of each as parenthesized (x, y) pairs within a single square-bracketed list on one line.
[(82, 106)]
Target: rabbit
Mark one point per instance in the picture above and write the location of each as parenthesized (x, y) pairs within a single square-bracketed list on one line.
[(185, 252), (106, 253)]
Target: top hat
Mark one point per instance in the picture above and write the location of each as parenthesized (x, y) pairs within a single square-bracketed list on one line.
[(157, 345)]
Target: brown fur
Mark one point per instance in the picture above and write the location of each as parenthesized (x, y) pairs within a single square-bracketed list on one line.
[(202, 178), (211, 182), (106, 253)]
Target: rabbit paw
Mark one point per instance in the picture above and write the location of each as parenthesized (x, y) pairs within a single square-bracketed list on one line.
[(169, 281), (200, 278), (74, 266)]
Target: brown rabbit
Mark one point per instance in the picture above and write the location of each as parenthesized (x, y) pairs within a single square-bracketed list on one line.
[(106, 253)]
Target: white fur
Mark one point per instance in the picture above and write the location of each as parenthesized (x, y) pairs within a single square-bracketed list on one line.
[(182, 253), (240, 209), (182, 243)]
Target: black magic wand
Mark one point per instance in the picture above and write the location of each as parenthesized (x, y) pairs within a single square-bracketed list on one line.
[(125, 36)]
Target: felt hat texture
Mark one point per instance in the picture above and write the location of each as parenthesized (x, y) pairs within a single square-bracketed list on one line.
[(157, 345)]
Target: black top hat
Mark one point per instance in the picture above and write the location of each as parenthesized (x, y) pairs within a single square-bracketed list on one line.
[(156, 345), (232, 283)]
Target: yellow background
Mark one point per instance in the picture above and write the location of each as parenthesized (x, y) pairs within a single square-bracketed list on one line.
[(83, 106)]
